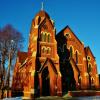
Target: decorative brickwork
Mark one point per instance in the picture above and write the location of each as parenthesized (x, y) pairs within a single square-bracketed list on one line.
[(50, 67)]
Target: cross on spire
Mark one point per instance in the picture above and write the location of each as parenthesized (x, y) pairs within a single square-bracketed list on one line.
[(42, 6)]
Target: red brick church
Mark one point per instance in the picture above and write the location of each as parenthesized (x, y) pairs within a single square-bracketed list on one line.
[(54, 64)]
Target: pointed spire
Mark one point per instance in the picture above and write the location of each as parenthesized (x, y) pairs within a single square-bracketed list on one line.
[(42, 6)]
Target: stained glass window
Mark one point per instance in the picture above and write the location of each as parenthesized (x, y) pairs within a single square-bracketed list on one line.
[(48, 37), (71, 52), (89, 68), (43, 49), (48, 50)]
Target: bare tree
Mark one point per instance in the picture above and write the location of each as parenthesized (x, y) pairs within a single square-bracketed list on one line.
[(10, 41)]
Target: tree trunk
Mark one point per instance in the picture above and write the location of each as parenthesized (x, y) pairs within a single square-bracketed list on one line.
[(2, 73), (8, 72)]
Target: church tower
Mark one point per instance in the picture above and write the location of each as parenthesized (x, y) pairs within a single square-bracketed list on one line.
[(46, 76), (42, 72)]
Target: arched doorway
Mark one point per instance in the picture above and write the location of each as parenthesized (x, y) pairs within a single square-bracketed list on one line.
[(68, 80), (45, 82)]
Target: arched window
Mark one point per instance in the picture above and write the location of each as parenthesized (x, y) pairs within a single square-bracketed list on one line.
[(71, 52), (43, 37), (89, 68), (43, 49), (76, 57), (48, 50), (48, 37)]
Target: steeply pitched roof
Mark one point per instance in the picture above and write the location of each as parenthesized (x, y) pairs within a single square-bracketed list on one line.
[(87, 49), (71, 31), (50, 61), (42, 13), (22, 56)]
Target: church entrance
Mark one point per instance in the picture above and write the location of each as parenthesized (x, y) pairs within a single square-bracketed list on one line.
[(68, 80), (45, 82)]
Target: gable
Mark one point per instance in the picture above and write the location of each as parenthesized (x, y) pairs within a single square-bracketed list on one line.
[(89, 52), (47, 26), (66, 36), (72, 37), (46, 62), (22, 56)]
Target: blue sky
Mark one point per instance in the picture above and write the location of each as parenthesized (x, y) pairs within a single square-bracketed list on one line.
[(83, 16)]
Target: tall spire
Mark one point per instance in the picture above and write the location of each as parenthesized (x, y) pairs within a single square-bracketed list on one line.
[(42, 6)]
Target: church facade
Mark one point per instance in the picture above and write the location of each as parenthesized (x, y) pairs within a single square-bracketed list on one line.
[(77, 61), (54, 64)]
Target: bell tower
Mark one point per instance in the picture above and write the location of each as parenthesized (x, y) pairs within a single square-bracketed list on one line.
[(43, 51), (42, 41)]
